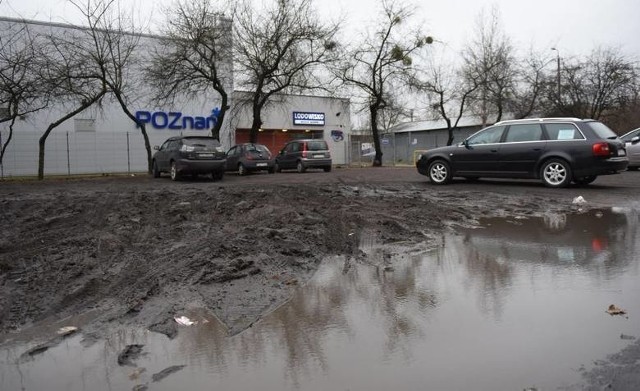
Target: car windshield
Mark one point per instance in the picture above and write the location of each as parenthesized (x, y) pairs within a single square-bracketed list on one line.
[(202, 142), (602, 130), (317, 146)]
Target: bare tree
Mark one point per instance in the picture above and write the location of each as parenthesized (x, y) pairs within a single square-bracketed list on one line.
[(111, 42), (279, 49), (69, 73), (447, 92), (195, 56), (596, 86), (21, 90), (525, 98), (382, 58), (489, 61)]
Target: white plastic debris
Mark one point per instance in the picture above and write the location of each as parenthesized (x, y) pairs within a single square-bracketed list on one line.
[(67, 330), (579, 200), (183, 320)]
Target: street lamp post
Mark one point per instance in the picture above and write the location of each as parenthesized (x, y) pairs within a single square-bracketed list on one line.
[(558, 71)]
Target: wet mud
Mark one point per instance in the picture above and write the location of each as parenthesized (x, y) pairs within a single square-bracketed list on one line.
[(128, 255), (140, 256)]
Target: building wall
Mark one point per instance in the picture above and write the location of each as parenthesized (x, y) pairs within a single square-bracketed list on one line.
[(104, 140), (278, 116)]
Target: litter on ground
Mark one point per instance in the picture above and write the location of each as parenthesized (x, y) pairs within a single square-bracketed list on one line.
[(183, 320), (613, 310)]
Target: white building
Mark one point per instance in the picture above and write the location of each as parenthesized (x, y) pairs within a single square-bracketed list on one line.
[(104, 140)]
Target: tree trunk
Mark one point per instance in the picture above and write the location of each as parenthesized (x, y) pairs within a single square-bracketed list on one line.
[(6, 143), (43, 139), (377, 160), (256, 124), (142, 126), (224, 106)]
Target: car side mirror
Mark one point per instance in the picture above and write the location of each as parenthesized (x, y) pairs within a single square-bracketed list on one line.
[(465, 144), (155, 147)]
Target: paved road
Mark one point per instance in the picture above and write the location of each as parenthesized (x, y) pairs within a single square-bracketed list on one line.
[(622, 189)]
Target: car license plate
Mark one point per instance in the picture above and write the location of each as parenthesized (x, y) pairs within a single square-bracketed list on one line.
[(206, 155), (318, 156), (261, 164), (621, 152)]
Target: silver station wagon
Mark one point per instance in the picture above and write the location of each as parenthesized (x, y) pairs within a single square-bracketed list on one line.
[(557, 151)]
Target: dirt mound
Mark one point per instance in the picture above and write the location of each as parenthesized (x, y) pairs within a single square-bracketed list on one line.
[(141, 255)]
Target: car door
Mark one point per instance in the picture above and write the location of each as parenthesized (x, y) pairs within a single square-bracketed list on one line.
[(479, 154), (287, 158), (232, 158), (162, 156), (521, 149)]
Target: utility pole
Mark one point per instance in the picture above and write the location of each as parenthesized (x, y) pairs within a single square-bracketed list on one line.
[(558, 71)]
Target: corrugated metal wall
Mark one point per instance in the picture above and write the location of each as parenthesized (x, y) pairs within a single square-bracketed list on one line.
[(401, 148), (72, 153)]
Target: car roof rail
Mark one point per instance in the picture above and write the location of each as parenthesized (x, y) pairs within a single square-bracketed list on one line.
[(509, 121)]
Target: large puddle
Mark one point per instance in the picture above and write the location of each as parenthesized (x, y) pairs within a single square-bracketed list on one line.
[(518, 304)]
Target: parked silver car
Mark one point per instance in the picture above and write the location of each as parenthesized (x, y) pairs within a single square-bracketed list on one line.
[(632, 144)]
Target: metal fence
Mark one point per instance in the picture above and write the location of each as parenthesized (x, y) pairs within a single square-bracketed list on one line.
[(400, 149), (73, 153)]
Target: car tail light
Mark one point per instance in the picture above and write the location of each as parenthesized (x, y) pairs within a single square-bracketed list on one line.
[(305, 154), (601, 149)]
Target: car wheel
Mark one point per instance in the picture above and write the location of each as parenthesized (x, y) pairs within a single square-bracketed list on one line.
[(242, 170), (585, 180), (174, 172), (556, 173), (439, 172), (277, 168), (155, 170), (301, 167), (327, 169)]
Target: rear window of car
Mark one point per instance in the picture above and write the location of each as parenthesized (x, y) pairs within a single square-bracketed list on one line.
[(602, 130), (203, 142), (317, 146), (257, 148)]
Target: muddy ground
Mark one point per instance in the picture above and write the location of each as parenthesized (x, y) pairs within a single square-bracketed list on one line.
[(133, 251)]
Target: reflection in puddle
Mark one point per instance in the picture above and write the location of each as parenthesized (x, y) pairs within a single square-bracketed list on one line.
[(517, 304)]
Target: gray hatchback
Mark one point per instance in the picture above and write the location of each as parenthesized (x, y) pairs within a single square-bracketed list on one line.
[(304, 154), (250, 157)]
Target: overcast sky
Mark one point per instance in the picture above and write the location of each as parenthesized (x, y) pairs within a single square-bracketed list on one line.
[(575, 27)]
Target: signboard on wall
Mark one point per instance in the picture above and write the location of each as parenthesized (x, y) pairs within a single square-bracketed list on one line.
[(307, 118)]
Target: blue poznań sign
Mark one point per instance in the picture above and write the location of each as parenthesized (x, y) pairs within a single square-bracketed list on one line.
[(175, 120), (305, 118)]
